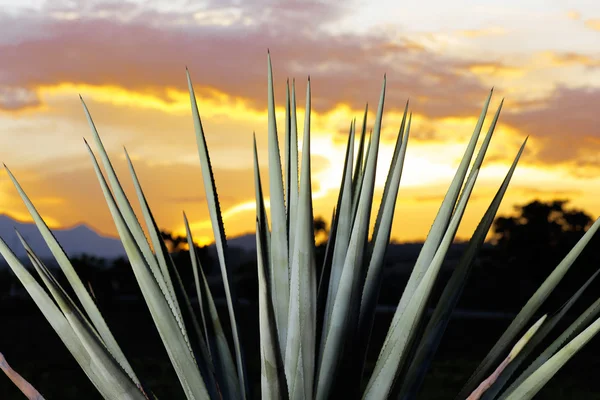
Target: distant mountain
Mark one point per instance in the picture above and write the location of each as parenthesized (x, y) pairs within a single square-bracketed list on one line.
[(75, 241), (82, 239), (245, 242)]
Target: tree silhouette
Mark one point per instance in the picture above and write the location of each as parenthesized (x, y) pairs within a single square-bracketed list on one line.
[(174, 243), (320, 226), (533, 242), (547, 223)]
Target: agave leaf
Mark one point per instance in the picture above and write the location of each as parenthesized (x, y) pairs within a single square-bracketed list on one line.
[(383, 224), (25, 387), (194, 261), (260, 205), (132, 221), (279, 261), (155, 237), (224, 365), (273, 384), (486, 141), (273, 381), (342, 235), (177, 347), (441, 316), (575, 328), (493, 391), (323, 283), (286, 151), (207, 367), (327, 259), (529, 309), (166, 263), (117, 382), (392, 357), (56, 319), (347, 297), (80, 291), (544, 373), (219, 232), (486, 384), (440, 223), (134, 226), (379, 244), (359, 164), (223, 360), (332, 237), (386, 188), (359, 183), (293, 177), (44, 273), (300, 345), (438, 228)]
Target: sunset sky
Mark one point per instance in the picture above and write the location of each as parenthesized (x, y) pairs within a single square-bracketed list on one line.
[(127, 59)]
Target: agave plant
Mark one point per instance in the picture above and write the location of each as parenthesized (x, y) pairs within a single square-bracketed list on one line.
[(315, 329)]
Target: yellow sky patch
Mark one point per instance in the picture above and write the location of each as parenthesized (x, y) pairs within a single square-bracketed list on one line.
[(429, 166), (593, 24)]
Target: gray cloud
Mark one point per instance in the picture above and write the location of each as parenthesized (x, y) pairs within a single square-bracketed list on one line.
[(147, 50), (566, 126), (17, 98)]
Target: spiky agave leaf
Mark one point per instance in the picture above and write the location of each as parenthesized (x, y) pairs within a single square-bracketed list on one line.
[(431, 245), (493, 391), (440, 222), (279, 258), (383, 229), (155, 236), (476, 395), (178, 348), (575, 328), (117, 382), (273, 381), (343, 229), (57, 320), (25, 387), (215, 335), (542, 375), (301, 333), (292, 185), (82, 294), (133, 224), (219, 234), (360, 159), (389, 362), (166, 264), (441, 316), (532, 305), (347, 296)]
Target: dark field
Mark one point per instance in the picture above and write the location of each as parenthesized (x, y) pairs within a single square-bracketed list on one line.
[(34, 350)]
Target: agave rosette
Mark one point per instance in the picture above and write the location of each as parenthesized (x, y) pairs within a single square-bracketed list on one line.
[(306, 320)]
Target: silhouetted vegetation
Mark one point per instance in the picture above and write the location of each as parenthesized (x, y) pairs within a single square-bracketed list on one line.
[(525, 249)]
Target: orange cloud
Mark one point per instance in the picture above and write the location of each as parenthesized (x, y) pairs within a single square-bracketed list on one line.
[(574, 15), (568, 59), (478, 33), (593, 24), (153, 52), (497, 70)]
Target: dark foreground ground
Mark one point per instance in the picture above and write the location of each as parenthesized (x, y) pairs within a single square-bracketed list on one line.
[(34, 350)]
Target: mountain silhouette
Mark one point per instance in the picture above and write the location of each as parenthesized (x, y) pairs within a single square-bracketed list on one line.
[(81, 239), (75, 241)]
